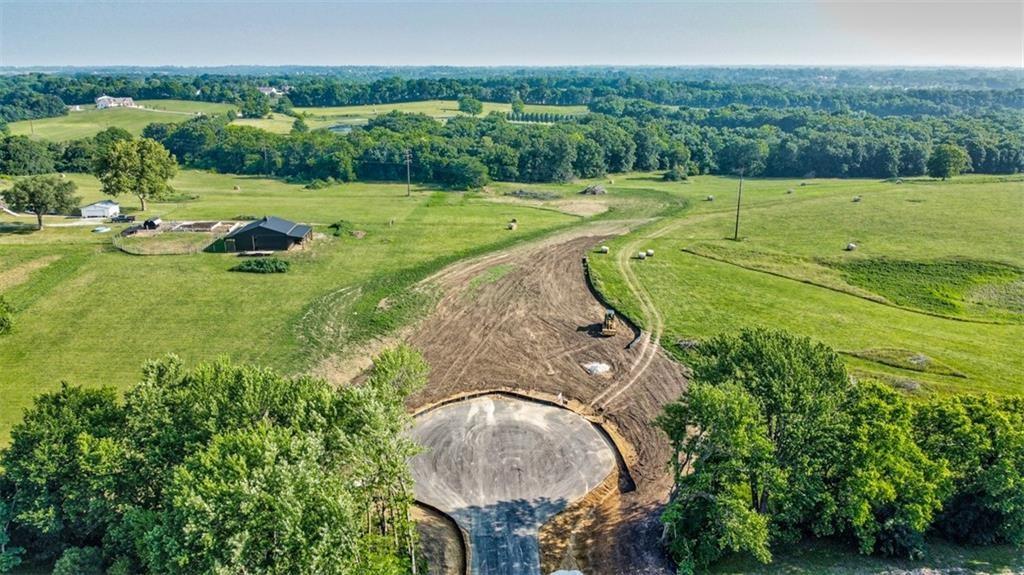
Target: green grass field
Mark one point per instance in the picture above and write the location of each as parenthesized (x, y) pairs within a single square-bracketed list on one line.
[(90, 121), (88, 313), (929, 300)]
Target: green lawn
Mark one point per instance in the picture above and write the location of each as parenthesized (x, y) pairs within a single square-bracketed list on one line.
[(88, 313), (922, 288), (90, 121)]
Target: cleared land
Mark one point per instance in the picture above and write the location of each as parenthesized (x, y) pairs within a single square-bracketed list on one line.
[(90, 121), (501, 467), (928, 301), (440, 109), (90, 314), (531, 329)]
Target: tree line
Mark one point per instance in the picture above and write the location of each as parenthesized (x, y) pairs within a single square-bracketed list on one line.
[(774, 442), (217, 468)]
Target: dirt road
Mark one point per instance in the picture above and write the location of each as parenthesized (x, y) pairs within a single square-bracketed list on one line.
[(525, 321)]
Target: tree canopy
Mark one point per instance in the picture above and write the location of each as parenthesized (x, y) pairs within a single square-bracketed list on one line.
[(138, 167), (42, 195), (217, 467)]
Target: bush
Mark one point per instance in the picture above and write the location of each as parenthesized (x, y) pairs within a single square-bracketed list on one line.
[(341, 228), (262, 266), (676, 174), (6, 317)]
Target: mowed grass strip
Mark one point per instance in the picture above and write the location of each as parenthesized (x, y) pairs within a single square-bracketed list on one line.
[(756, 282), (96, 314)]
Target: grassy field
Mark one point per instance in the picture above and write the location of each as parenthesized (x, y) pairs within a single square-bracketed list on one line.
[(89, 313), (930, 300), (90, 121)]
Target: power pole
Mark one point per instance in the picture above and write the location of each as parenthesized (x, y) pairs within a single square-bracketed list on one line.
[(739, 197), (408, 173)]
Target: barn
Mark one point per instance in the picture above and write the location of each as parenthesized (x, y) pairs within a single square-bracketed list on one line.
[(103, 209), (267, 233)]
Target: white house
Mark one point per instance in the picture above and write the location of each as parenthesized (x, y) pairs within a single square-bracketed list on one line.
[(105, 101), (103, 209)]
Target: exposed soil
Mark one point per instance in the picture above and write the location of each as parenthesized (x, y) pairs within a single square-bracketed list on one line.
[(531, 331)]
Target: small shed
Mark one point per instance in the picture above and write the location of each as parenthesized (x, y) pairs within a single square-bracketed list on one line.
[(103, 209), (267, 233), (152, 223)]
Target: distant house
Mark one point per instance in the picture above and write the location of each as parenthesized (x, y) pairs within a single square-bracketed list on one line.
[(103, 209), (268, 233), (270, 91), (104, 102)]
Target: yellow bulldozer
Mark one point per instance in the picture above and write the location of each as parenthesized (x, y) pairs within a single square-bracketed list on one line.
[(610, 325)]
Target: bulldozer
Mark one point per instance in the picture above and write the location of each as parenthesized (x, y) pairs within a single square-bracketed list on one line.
[(609, 326)]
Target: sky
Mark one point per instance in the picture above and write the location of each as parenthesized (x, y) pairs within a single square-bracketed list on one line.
[(498, 33)]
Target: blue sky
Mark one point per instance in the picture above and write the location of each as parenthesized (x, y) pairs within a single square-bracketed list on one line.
[(326, 32)]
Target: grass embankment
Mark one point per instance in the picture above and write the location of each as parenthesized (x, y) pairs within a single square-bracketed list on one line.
[(90, 121), (930, 300), (88, 313)]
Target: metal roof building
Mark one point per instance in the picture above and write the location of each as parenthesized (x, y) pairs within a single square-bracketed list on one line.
[(267, 233)]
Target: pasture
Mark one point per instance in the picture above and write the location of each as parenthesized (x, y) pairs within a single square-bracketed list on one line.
[(88, 313), (930, 299), (437, 109), (90, 121)]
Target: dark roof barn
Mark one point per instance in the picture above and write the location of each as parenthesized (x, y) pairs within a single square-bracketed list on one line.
[(267, 233)]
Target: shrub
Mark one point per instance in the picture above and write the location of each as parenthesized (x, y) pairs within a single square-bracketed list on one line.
[(262, 266), (676, 174), (340, 228)]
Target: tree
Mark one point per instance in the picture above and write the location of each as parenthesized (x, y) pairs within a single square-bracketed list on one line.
[(947, 160), (138, 167), (470, 105), (981, 440), (518, 106), (20, 156), (254, 104), (299, 126), (715, 470), (42, 195)]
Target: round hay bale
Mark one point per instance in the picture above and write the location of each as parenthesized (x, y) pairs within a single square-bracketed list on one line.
[(604, 249), (789, 191), (856, 199), (236, 188), (850, 247), (650, 253), (709, 199), (641, 256)]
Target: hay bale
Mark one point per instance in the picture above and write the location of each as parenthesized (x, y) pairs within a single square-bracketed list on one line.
[(603, 249), (789, 191), (236, 188), (856, 199), (641, 256), (709, 199), (650, 253), (512, 226), (850, 247)]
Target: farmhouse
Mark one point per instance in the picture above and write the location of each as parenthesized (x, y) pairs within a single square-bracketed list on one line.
[(105, 101), (268, 233), (102, 209)]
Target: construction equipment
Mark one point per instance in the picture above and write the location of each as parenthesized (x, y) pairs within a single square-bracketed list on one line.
[(609, 326)]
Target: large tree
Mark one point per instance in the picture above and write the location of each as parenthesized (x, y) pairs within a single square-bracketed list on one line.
[(42, 195), (947, 160), (470, 105), (137, 167)]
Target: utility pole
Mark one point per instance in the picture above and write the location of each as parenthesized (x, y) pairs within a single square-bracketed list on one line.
[(739, 197), (408, 173)]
